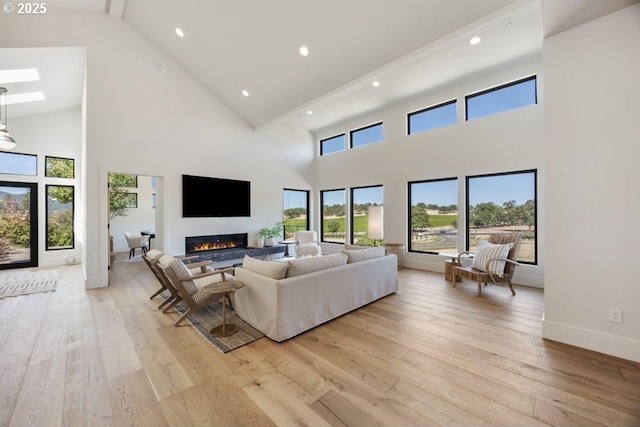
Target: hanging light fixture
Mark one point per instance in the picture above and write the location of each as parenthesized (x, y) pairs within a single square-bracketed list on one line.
[(6, 142)]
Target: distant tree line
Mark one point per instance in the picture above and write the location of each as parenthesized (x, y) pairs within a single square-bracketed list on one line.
[(489, 214)]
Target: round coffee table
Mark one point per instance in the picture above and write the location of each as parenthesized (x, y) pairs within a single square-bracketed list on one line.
[(225, 288)]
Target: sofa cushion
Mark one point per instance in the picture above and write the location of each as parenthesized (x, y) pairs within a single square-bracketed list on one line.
[(357, 255), (301, 266), (273, 269)]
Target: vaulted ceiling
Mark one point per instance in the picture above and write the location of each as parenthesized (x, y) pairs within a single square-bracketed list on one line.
[(411, 47)]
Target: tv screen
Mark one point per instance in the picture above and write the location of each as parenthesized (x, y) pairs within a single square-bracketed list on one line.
[(215, 197)]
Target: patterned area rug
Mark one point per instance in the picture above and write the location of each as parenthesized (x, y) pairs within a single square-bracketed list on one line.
[(210, 316), (27, 282)]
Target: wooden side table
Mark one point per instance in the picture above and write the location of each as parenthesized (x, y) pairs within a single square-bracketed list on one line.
[(225, 288), (448, 266)]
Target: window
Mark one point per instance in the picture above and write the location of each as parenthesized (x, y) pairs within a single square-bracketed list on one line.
[(58, 167), (333, 222), (123, 180), (332, 145), (366, 216), (60, 205), (131, 200), (366, 135), (18, 164), (503, 204), (433, 117), (295, 211), (433, 216), (502, 98)]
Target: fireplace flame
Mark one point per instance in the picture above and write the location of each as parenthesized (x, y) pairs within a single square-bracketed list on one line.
[(213, 246)]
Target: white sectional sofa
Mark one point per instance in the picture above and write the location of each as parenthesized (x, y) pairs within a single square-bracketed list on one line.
[(283, 299)]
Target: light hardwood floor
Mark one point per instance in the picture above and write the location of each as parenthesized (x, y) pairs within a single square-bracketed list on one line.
[(428, 355)]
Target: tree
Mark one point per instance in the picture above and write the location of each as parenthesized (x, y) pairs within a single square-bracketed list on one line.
[(485, 214), (119, 198), (419, 218), (59, 168)]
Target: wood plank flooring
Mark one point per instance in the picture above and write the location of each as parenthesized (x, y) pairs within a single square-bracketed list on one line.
[(428, 355)]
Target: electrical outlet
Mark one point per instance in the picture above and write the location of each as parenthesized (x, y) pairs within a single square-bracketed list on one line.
[(615, 315)]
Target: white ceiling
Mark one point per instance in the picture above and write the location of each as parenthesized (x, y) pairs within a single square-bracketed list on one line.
[(410, 46)]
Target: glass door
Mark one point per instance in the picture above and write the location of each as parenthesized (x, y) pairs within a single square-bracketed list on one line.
[(18, 224)]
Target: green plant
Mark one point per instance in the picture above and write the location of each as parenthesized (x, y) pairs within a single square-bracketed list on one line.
[(275, 231)]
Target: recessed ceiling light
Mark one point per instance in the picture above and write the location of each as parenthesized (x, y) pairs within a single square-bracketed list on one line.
[(309, 112), (162, 68), (304, 51), (375, 84), (20, 75), (19, 98), (245, 92), (179, 32), (474, 41)]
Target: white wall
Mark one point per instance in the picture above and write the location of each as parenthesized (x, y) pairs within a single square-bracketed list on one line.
[(593, 191), (141, 121), (505, 142), (56, 134)]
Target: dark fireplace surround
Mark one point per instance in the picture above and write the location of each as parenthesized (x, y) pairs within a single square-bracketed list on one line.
[(224, 247)]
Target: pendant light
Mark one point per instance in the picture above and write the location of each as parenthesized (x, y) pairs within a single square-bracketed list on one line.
[(6, 142)]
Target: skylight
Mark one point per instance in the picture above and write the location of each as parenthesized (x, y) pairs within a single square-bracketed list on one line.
[(19, 98), (19, 75)]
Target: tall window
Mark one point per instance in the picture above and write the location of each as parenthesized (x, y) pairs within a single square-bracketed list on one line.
[(334, 220), (366, 216), (295, 211), (433, 216), (366, 135), (58, 167), (433, 117), (501, 98), (60, 207), (332, 145), (503, 204)]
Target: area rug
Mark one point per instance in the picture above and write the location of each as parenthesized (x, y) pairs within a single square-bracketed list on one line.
[(27, 282), (210, 316)]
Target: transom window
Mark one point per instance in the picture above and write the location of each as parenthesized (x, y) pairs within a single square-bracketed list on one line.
[(18, 164), (501, 98), (366, 135), (58, 167), (332, 145), (432, 117)]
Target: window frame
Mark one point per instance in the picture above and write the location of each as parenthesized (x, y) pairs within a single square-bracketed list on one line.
[(360, 129), (322, 192), (409, 200), (535, 207), (496, 89), (351, 210), (307, 201), (35, 160), (73, 208), (73, 168), (431, 108), (344, 143)]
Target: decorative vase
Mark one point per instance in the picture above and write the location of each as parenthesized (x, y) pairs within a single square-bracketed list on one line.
[(259, 242), (270, 241)]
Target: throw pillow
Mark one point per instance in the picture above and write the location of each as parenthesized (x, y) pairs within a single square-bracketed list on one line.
[(301, 266), (486, 251), (358, 255), (154, 255), (185, 276), (274, 269)]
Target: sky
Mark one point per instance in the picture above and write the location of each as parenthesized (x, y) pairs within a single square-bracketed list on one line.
[(18, 164)]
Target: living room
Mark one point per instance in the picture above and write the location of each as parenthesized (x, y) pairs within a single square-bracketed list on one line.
[(580, 137)]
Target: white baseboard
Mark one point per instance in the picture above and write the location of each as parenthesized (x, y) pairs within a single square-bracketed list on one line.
[(613, 345)]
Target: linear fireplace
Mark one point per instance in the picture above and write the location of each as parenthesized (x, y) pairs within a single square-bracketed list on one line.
[(214, 242), (225, 247)]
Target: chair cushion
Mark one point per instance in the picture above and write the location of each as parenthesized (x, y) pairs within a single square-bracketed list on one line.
[(308, 250), (301, 266), (154, 255), (357, 255), (184, 275), (274, 269), (165, 260), (486, 251)]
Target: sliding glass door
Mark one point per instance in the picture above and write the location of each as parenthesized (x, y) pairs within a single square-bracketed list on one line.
[(18, 224)]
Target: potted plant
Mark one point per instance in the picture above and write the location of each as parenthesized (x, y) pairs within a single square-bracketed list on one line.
[(269, 234)]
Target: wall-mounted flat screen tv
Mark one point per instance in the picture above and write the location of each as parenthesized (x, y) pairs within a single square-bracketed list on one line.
[(215, 197)]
